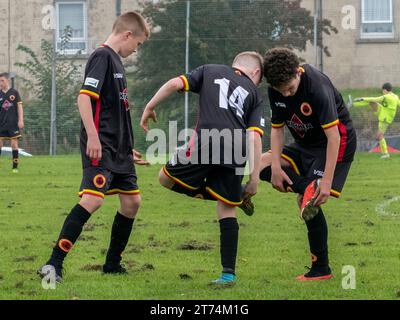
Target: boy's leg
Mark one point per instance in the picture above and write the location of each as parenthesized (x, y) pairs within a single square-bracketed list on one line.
[(224, 185), (15, 154), (95, 182), (229, 235), (72, 228), (383, 126), (121, 231), (290, 167), (125, 185), (188, 180)]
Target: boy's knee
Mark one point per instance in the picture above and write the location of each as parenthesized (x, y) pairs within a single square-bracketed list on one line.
[(91, 203), (164, 180), (130, 205)]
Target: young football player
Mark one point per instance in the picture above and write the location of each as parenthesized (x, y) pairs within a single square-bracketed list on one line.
[(106, 146), (385, 108), (11, 117), (229, 102), (316, 165)]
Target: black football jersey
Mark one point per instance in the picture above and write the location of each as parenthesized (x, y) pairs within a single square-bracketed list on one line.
[(316, 106), (229, 104), (105, 83), (9, 110)]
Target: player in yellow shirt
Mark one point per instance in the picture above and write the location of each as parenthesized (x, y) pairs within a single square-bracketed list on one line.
[(385, 108)]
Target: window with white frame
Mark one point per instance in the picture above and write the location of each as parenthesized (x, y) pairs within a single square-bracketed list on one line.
[(377, 19), (71, 17)]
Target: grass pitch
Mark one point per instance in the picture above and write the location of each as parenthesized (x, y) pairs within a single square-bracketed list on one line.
[(173, 251)]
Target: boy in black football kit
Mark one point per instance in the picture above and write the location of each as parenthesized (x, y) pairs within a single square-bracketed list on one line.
[(229, 101), (316, 165), (11, 117), (106, 146)]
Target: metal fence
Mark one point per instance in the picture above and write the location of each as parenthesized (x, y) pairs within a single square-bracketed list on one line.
[(190, 33)]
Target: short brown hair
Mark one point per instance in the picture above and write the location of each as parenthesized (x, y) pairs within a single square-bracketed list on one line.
[(5, 75), (131, 21), (280, 66)]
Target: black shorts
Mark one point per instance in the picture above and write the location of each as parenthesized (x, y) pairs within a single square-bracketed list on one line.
[(99, 181), (310, 162), (222, 183), (10, 134)]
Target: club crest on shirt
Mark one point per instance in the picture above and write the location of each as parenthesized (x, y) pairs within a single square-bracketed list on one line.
[(12, 97), (306, 109), (297, 125)]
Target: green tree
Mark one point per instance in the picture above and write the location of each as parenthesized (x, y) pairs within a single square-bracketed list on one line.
[(37, 114), (218, 31)]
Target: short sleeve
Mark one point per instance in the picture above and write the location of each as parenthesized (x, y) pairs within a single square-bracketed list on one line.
[(255, 119), (18, 97), (193, 81), (323, 101), (95, 74), (277, 120)]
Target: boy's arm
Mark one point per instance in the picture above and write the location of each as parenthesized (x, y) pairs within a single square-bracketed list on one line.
[(20, 115), (254, 161), (371, 99), (324, 188), (163, 93), (93, 146), (278, 175)]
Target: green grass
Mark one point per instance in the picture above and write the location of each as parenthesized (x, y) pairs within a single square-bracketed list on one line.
[(273, 246)]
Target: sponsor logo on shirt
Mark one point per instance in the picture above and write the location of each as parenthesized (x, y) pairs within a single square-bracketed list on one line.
[(297, 125), (280, 104), (92, 82), (118, 76), (318, 173), (124, 97), (7, 105)]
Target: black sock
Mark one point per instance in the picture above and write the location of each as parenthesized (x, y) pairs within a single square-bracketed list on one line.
[(229, 228), (121, 230), (0, 151), (70, 232), (15, 159), (318, 240), (299, 185)]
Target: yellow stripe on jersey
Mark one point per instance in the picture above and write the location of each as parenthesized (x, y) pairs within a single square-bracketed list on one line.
[(90, 93), (330, 125), (277, 126), (185, 83), (261, 132)]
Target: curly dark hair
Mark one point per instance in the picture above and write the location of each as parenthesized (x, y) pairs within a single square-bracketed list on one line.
[(280, 66)]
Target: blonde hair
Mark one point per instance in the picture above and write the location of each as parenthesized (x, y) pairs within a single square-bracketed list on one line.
[(133, 22), (249, 59)]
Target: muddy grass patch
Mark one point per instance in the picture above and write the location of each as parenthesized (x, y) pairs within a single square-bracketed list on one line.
[(196, 245)]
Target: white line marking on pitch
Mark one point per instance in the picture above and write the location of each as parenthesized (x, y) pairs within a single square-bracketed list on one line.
[(381, 208)]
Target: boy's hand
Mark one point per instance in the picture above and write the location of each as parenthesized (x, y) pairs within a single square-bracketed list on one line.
[(21, 124), (322, 193), (137, 158), (251, 189), (93, 148), (278, 178), (147, 114)]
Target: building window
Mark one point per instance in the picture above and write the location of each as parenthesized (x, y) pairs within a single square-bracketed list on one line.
[(377, 19), (71, 15)]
